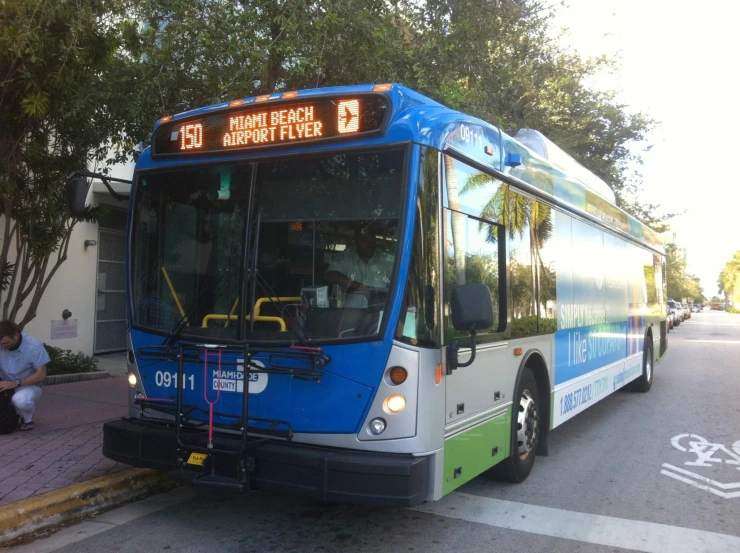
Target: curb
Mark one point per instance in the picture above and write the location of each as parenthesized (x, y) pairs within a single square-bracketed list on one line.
[(28, 516), (75, 377)]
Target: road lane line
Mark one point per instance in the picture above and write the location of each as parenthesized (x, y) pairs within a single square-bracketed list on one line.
[(597, 529), (713, 341)]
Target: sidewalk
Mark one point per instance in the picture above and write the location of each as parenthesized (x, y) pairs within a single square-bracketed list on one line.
[(65, 447)]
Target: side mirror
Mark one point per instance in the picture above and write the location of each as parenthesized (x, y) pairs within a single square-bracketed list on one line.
[(76, 195), (471, 309)]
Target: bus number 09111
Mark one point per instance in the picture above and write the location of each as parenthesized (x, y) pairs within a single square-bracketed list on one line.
[(168, 380)]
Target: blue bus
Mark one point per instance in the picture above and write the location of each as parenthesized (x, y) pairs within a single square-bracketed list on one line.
[(361, 295)]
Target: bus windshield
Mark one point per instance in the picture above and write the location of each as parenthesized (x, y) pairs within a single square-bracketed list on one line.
[(319, 235)]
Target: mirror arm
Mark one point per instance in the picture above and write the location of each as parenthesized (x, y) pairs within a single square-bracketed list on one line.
[(472, 351), (452, 351), (106, 181)]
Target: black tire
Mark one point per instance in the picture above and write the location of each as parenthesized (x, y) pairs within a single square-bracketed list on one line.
[(645, 382), (524, 439)]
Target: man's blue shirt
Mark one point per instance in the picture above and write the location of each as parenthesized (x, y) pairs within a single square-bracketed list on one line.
[(24, 361)]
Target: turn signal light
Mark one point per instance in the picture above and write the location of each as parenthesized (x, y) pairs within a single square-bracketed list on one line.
[(518, 351), (398, 375)]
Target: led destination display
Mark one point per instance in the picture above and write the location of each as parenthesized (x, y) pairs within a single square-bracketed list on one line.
[(270, 125)]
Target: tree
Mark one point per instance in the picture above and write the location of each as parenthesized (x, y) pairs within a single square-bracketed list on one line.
[(497, 60), (188, 54), (681, 286), (494, 59), (53, 119), (729, 279)]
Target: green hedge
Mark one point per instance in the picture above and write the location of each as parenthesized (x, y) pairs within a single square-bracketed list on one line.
[(732, 310), (527, 326), (63, 361)]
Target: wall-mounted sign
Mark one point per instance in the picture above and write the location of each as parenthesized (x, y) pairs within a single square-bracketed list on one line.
[(64, 329)]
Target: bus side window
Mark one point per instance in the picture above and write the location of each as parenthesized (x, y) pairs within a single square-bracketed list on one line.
[(473, 255)]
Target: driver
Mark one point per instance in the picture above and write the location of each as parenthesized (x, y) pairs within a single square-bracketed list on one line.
[(362, 269)]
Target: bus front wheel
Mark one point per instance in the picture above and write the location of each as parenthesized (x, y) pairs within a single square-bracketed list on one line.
[(525, 430)]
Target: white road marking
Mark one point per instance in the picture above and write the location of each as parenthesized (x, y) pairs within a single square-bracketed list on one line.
[(106, 521), (597, 529), (704, 487), (714, 324), (714, 341)]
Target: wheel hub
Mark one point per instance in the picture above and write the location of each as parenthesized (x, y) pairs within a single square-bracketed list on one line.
[(527, 424), (649, 369)]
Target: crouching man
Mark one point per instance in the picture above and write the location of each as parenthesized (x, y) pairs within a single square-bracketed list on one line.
[(23, 361)]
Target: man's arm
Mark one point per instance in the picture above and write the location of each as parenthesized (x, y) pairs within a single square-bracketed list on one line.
[(346, 283), (36, 378)]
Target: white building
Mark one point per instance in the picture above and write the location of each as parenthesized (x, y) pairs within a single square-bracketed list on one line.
[(91, 283)]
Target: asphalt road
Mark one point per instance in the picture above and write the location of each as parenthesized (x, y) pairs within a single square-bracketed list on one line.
[(652, 472)]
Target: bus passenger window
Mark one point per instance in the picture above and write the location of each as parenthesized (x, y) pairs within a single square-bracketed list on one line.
[(473, 254)]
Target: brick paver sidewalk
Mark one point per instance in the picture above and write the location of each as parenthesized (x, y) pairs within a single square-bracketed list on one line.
[(65, 446)]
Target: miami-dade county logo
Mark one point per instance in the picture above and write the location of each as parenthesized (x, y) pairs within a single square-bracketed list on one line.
[(231, 378), (705, 454)]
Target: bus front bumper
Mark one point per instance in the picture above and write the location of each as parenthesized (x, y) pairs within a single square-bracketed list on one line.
[(329, 474)]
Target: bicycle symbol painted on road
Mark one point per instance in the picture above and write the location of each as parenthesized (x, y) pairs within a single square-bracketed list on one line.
[(705, 451), (707, 454)]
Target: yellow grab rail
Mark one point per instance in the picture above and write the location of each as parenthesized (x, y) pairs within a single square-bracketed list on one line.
[(258, 305), (257, 316), (278, 320), (174, 295)]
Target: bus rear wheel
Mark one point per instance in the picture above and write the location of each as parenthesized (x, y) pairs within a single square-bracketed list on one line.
[(645, 382), (525, 430)]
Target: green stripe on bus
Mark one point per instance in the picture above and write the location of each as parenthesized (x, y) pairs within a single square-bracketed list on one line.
[(474, 451)]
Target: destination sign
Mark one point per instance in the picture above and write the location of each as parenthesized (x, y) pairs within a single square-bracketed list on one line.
[(273, 124)]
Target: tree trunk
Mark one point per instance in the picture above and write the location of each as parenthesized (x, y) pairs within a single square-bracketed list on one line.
[(535, 272), (458, 220)]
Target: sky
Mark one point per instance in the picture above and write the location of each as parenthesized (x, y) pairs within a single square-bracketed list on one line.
[(676, 63)]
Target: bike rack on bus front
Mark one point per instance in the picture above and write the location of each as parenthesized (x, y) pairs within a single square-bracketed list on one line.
[(273, 429)]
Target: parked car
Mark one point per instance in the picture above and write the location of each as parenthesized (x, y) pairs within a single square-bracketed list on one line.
[(671, 319), (686, 311), (674, 311)]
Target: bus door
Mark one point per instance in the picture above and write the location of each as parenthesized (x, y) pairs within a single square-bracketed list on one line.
[(475, 254)]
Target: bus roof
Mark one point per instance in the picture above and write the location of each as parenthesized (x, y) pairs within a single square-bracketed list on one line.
[(524, 155)]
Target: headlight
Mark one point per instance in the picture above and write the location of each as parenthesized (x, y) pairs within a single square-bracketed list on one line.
[(132, 380), (394, 404)]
